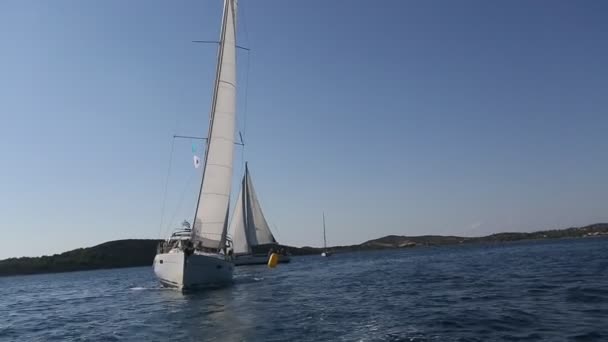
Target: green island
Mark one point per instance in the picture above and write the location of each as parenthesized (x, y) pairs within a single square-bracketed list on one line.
[(141, 252)]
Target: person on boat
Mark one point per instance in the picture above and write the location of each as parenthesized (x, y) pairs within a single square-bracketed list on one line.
[(188, 248)]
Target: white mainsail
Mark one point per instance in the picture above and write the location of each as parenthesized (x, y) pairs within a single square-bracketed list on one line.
[(211, 216), (248, 226)]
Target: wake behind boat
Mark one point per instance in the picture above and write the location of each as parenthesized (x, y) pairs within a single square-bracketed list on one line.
[(253, 240), (199, 257)]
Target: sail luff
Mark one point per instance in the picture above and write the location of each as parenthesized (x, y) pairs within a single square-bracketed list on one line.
[(238, 224), (249, 219), (212, 210)]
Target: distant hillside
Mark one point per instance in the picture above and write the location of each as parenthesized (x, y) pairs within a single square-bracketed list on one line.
[(394, 241), (130, 253), (113, 254)]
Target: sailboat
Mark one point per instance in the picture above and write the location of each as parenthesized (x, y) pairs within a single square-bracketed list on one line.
[(325, 252), (199, 257), (249, 228)]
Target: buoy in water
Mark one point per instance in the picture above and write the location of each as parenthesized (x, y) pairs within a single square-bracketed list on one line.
[(273, 260)]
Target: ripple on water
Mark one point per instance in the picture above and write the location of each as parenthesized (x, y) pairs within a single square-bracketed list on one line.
[(513, 292), (585, 294)]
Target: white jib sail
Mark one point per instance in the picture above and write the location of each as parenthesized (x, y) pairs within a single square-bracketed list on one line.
[(258, 222)]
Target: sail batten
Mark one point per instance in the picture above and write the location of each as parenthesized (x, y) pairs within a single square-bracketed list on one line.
[(211, 216)]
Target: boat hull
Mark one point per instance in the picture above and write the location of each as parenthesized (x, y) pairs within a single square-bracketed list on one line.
[(244, 260), (197, 271)]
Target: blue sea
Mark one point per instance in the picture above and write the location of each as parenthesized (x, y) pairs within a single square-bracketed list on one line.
[(530, 291)]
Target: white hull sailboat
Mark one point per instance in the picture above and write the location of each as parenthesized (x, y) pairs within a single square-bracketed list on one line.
[(249, 228), (198, 271), (198, 257), (325, 252)]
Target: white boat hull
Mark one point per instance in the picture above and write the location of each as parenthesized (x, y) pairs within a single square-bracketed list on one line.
[(243, 260), (197, 271)]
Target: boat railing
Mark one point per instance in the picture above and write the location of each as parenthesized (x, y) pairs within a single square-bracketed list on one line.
[(181, 239)]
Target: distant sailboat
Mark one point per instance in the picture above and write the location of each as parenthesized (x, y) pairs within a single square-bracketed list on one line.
[(198, 257), (325, 252), (249, 228)]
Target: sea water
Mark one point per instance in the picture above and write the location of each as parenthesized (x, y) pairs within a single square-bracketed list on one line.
[(531, 291)]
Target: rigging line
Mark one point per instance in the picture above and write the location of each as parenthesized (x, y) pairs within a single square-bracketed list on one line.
[(245, 26), (245, 109), (179, 203), (276, 229), (240, 143), (164, 200), (188, 137), (216, 42)]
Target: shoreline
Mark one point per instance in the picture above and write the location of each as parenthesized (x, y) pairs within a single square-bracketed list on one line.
[(141, 252)]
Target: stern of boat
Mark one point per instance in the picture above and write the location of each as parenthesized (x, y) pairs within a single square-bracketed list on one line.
[(207, 270)]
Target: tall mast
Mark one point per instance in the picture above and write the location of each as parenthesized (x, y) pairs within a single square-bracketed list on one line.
[(246, 209), (324, 238)]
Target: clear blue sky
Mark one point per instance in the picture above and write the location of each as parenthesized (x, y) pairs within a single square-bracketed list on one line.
[(413, 117)]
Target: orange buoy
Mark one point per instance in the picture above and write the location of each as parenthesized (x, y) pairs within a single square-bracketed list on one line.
[(273, 260)]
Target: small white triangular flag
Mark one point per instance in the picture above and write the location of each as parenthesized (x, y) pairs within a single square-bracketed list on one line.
[(197, 161)]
